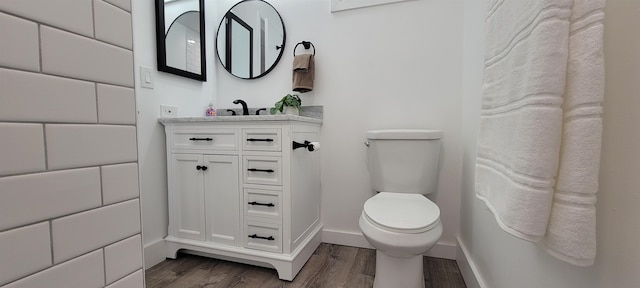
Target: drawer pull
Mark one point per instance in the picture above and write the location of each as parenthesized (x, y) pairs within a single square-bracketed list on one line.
[(254, 236), (203, 168), (201, 139), (260, 170), (259, 140), (261, 204)]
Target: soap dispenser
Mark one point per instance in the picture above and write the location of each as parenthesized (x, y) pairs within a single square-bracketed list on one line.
[(210, 110)]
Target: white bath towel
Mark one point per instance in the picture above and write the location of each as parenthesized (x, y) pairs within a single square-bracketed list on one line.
[(541, 124)]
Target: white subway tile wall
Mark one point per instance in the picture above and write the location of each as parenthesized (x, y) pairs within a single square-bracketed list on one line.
[(116, 105), (111, 23), (78, 145), (119, 183), (83, 232), (69, 193), (134, 280), (21, 148), (72, 55), (35, 97), (72, 15), (123, 257), (19, 45), (124, 4), (31, 198), (28, 250), (84, 271)]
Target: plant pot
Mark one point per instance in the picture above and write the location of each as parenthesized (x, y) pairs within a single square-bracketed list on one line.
[(290, 110)]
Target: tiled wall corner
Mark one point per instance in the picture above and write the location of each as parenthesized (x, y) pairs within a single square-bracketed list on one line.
[(69, 193)]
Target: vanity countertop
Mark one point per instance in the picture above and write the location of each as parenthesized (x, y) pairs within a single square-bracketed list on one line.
[(240, 118)]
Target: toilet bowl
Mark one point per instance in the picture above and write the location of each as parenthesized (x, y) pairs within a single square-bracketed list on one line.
[(401, 227)]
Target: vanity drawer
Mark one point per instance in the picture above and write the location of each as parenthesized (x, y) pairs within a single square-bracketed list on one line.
[(266, 139), (218, 139), (265, 170), (263, 236), (262, 203)]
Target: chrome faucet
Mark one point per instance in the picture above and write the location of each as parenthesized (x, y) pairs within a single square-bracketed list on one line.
[(245, 110)]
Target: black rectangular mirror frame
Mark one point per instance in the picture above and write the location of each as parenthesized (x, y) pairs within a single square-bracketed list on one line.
[(162, 48)]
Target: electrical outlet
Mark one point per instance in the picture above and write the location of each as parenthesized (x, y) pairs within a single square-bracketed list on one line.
[(168, 111)]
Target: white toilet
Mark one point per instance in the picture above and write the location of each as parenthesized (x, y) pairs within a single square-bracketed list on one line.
[(399, 221)]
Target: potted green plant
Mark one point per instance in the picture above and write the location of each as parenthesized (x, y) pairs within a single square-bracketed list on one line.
[(289, 104)]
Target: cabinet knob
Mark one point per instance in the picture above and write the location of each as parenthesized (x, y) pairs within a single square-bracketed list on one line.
[(203, 168)]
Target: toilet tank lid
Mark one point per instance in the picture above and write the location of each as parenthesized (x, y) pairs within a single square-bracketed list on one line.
[(405, 134)]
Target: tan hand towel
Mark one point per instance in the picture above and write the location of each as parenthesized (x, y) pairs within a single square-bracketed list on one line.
[(303, 73)]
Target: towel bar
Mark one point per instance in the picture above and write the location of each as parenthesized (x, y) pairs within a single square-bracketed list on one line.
[(306, 45)]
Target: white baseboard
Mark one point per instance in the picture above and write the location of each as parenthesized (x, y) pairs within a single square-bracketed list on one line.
[(468, 269), (154, 253), (356, 239), (346, 238)]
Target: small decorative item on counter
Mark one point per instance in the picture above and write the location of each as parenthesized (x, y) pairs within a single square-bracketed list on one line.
[(210, 110), (289, 104)]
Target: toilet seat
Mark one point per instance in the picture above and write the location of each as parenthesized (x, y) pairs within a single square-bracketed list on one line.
[(401, 212)]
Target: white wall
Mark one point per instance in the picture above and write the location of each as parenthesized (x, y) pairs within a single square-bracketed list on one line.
[(190, 96), (502, 261), (390, 66)]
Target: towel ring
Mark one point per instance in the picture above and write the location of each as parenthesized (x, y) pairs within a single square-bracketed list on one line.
[(306, 45)]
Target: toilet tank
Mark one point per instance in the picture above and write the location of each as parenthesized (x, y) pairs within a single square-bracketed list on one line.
[(403, 160)]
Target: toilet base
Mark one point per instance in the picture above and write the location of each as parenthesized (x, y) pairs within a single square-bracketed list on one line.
[(391, 272)]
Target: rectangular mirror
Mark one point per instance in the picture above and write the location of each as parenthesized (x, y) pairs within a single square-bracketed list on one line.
[(180, 38)]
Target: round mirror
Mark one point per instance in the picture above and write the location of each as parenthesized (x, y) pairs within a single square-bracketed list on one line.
[(250, 39)]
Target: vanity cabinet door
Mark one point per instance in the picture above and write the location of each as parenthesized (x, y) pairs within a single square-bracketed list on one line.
[(222, 198), (188, 197)]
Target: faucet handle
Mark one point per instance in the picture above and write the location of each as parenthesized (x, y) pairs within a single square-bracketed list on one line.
[(261, 109), (233, 113)]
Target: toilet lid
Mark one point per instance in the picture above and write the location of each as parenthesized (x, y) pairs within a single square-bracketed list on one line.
[(403, 213)]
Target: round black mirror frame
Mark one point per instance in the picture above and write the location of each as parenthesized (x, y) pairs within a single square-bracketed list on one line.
[(281, 47), (162, 48)]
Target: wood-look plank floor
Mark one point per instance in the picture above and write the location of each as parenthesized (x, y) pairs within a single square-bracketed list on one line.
[(330, 266)]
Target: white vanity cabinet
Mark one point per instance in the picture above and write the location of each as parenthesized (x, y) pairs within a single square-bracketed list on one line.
[(239, 191)]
